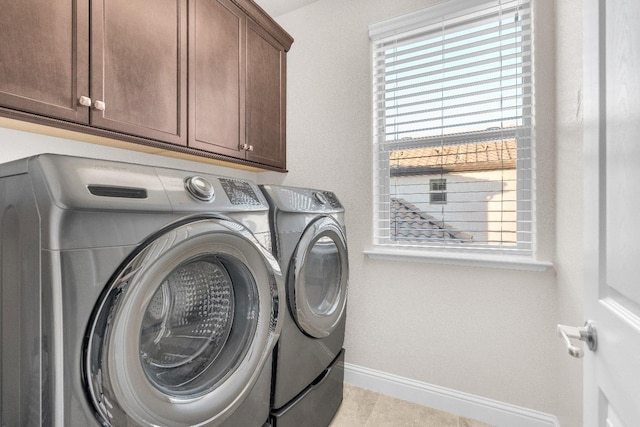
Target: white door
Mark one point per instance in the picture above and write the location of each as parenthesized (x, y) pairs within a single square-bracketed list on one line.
[(612, 211)]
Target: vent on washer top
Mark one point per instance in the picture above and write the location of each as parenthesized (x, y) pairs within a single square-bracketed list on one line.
[(240, 192), (123, 192)]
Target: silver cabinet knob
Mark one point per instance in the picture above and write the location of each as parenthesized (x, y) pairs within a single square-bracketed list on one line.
[(250, 148), (586, 333), (99, 105), (85, 101)]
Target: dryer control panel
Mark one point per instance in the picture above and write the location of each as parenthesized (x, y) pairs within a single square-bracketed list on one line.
[(294, 199)]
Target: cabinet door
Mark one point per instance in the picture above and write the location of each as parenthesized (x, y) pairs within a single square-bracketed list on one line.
[(139, 67), (44, 57), (216, 77), (265, 102)]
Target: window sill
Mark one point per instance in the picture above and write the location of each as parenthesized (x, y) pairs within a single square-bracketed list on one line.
[(510, 262)]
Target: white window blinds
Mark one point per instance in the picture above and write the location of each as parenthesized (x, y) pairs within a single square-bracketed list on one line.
[(453, 101)]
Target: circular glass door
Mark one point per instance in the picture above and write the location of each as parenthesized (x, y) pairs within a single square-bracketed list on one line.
[(185, 327), (318, 278)]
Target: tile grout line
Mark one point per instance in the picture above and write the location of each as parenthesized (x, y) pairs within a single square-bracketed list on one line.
[(378, 395)]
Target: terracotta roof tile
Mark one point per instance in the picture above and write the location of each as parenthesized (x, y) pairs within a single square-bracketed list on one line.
[(411, 224), (488, 155)]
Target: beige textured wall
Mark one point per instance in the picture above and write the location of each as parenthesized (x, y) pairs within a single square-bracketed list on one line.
[(489, 332), (570, 199)]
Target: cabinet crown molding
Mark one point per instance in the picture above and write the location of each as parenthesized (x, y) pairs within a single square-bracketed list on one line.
[(265, 21)]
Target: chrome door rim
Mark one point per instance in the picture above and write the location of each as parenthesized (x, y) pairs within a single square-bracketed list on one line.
[(308, 320), (116, 383)]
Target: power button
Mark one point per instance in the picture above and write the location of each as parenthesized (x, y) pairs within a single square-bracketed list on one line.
[(199, 188)]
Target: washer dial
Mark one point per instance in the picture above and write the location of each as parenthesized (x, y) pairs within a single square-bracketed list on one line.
[(199, 188)]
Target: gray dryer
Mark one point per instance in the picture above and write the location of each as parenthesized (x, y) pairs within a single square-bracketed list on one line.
[(309, 241)]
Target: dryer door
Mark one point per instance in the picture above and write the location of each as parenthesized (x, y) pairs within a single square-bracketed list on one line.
[(318, 276), (183, 331)]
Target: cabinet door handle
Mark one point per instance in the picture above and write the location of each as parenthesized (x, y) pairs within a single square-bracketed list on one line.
[(250, 148), (85, 101), (99, 105)]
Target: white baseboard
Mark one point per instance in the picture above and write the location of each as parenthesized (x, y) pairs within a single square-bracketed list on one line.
[(463, 404)]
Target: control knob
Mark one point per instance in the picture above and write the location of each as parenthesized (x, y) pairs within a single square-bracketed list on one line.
[(199, 188)]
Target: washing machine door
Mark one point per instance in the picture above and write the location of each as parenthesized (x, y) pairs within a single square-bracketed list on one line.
[(185, 327), (318, 276)]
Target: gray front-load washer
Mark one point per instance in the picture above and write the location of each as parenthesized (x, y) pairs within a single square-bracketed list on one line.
[(134, 296), (309, 241)]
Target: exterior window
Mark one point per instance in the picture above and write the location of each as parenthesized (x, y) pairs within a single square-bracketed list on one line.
[(438, 194), (453, 115)]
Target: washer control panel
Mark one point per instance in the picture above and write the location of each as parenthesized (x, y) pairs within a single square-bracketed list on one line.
[(240, 192)]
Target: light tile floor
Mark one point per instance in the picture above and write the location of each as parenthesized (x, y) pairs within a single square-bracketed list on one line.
[(365, 408)]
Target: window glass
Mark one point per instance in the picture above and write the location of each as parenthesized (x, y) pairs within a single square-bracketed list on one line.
[(197, 325), (453, 127)]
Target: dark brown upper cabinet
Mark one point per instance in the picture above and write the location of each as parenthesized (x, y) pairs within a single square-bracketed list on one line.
[(138, 68), (121, 68), (265, 98), (44, 57), (216, 76), (237, 82), (131, 79)]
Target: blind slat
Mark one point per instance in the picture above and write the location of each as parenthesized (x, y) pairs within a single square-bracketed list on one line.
[(434, 53), (525, 85), (498, 61), (407, 32), (481, 96)]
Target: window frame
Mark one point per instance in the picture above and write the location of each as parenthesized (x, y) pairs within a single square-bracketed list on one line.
[(523, 258)]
